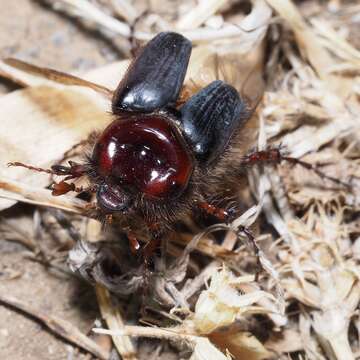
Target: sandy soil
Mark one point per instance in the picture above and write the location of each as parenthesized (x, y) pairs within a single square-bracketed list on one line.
[(32, 32)]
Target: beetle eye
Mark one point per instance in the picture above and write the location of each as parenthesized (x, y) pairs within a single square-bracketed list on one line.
[(155, 76)]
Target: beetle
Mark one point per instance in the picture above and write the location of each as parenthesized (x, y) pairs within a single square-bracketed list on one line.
[(160, 158)]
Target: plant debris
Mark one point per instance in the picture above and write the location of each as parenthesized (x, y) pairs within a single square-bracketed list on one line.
[(205, 300)]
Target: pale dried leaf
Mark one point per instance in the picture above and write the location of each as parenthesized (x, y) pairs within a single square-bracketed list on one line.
[(205, 350), (221, 303), (240, 345), (40, 124)]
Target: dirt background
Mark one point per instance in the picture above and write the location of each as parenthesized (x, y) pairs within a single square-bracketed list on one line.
[(29, 30)]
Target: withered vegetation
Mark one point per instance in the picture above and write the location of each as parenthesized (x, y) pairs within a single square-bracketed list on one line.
[(203, 298)]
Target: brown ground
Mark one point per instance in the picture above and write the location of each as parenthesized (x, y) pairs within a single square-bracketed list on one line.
[(30, 31)]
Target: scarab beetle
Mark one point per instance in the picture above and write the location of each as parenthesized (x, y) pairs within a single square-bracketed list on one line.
[(153, 152), (157, 160), (150, 160), (160, 158)]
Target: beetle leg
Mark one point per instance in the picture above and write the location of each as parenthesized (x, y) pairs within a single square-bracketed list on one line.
[(226, 216), (275, 156), (153, 245), (148, 253), (133, 241), (251, 240), (64, 187), (222, 214), (149, 250)]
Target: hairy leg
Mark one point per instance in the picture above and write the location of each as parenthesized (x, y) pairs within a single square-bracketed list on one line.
[(275, 156), (226, 216)]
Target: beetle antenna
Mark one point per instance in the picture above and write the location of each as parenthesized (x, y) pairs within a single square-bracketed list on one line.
[(33, 168), (72, 171)]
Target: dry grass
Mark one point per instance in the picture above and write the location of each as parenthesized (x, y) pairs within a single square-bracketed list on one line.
[(306, 302)]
